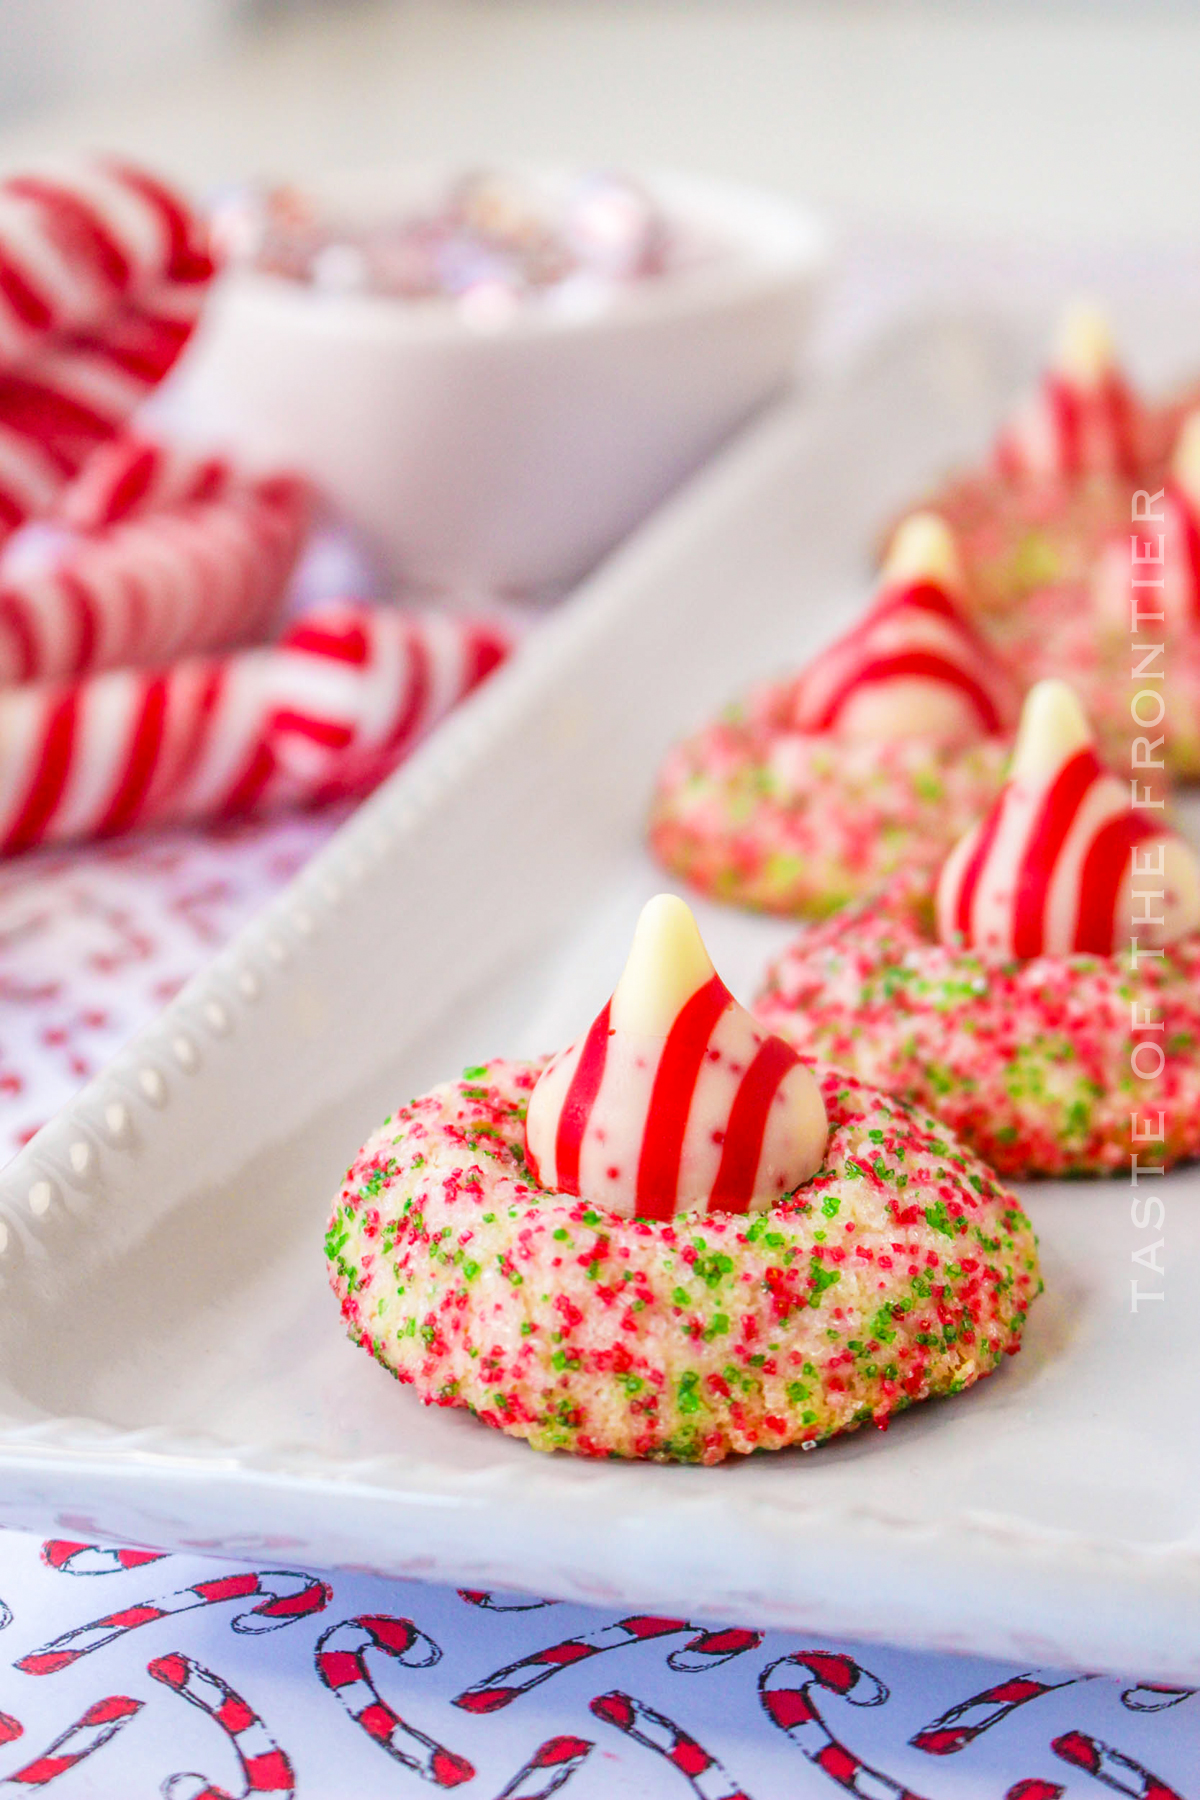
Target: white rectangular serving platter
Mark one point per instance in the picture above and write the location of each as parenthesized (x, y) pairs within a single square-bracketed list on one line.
[(172, 1366)]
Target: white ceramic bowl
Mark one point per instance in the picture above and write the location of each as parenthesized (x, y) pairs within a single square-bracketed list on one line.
[(511, 460)]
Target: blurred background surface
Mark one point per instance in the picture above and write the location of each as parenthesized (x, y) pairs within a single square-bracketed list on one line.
[(1068, 123)]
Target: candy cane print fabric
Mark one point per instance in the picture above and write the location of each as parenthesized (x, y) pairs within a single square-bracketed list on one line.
[(508, 1684), (94, 1559), (962, 1724), (342, 1667), (549, 1768), (97, 1727), (1112, 1767), (703, 1773), (283, 1596), (788, 1703), (265, 1767)]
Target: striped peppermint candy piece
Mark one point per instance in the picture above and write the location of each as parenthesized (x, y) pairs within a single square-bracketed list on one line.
[(676, 1100), (914, 667), (200, 576), (1063, 863), (103, 270), (357, 686), (133, 747), (1084, 418), (136, 474)]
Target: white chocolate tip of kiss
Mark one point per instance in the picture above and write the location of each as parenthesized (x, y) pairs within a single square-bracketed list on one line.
[(923, 549), (1185, 458), (667, 963), (1084, 348), (1053, 727)]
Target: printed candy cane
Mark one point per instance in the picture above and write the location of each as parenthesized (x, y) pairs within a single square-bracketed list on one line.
[(88, 1734), (788, 1703), (205, 576), (133, 475), (284, 1595), (102, 271), (341, 1660), (704, 1774), (1112, 1767), (494, 1601), (549, 1768), (71, 1558), (963, 1723), (508, 1684), (713, 1649), (265, 1767), (1154, 1696)]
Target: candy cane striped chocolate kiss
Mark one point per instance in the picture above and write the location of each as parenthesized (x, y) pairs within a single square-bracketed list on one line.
[(1083, 418), (914, 667), (1062, 863), (676, 1100)]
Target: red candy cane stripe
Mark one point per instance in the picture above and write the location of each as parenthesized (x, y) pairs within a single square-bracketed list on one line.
[(1068, 431), (788, 1703), (1112, 1767), (914, 630), (102, 271), (1034, 1788), (341, 1661), (94, 1559), (549, 1768), (359, 686), (266, 1769), (963, 1723), (134, 475), (707, 1650), (704, 1774), (204, 576), (284, 1595), (205, 738), (88, 1734)]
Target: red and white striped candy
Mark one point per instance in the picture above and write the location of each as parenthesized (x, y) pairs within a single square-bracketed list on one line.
[(135, 474), (217, 737), (676, 1100), (1061, 859), (97, 1726), (102, 273), (202, 576), (1083, 419), (132, 747), (914, 667), (358, 686)]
